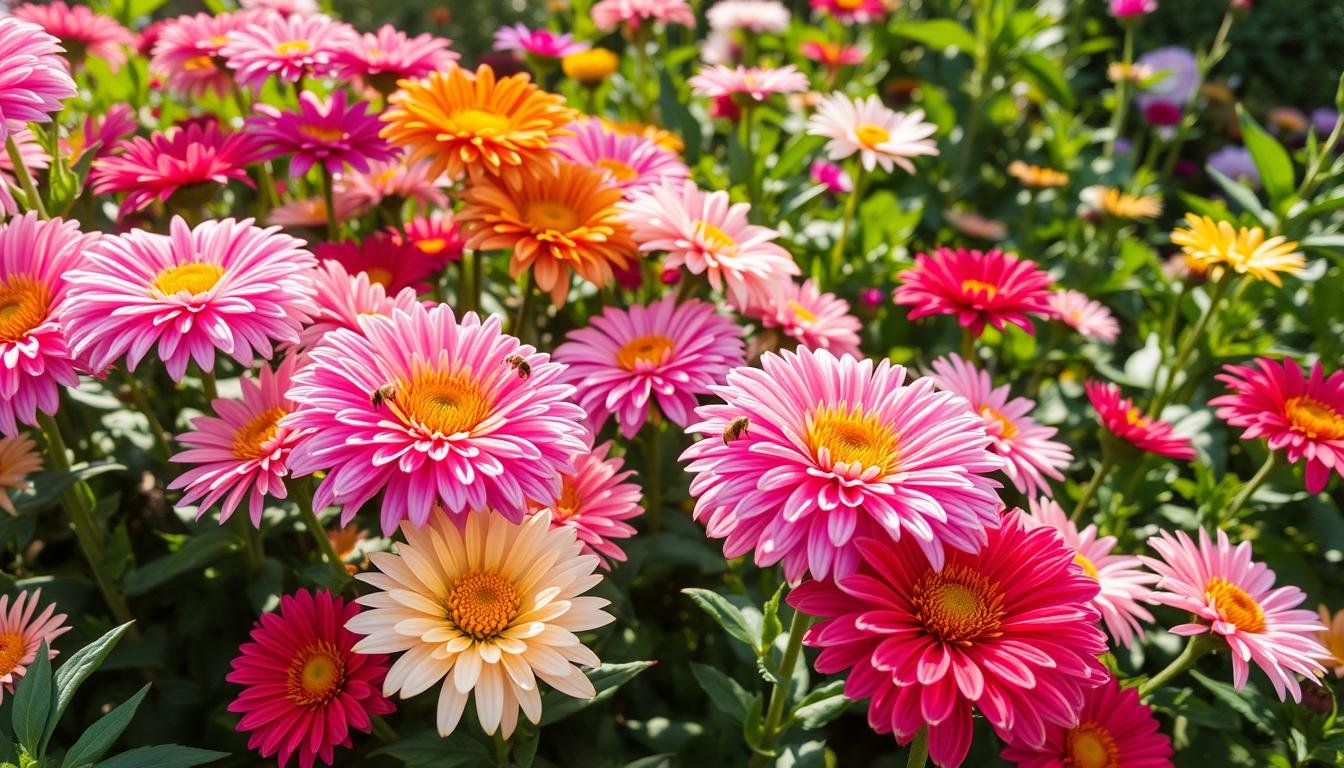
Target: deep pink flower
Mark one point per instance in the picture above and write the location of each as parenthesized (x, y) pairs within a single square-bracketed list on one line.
[(436, 236), (634, 163), (383, 58), (596, 500), (810, 318), (610, 14), (833, 56), (853, 11), (537, 42), (33, 78), (836, 180), (21, 634), (1124, 9), (1123, 419), (187, 51), (1162, 114), (289, 47), (324, 132), (387, 261), (1114, 730), (342, 298), (102, 132), (81, 31), (993, 288)]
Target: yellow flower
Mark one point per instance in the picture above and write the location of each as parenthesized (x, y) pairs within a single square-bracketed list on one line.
[(1037, 176), (1333, 640), (590, 67), (1209, 244), (1121, 205), (663, 138)]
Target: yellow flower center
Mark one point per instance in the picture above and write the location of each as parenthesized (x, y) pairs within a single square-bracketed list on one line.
[(194, 278), (11, 651), (870, 135), (1087, 566), (619, 171), (431, 245), (958, 605), (1090, 745), (849, 5), (570, 504), (1007, 429), (478, 121), (1314, 419), (1234, 605), (547, 216), (219, 41), (315, 675), (384, 177), (645, 350), (482, 604), (249, 441), (198, 63), (442, 403), (323, 133), (1135, 418), (803, 314), (292, 46), (24, 303), (971, 285), (715, 239), (851, 437), (380, 275)]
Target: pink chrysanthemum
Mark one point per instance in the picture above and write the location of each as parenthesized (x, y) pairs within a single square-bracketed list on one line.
[(1009, 630), (634, 163), (812, 319), (751, 83), (708, 235), (881, 137), (224, 286), (432, 412), (387, 261), (980, 288), (1089, 318), (242, 451), (81, 31), (1234, 600), (304, 687), (836, 180), (610, 14), (1029, 455), (537, 42), (436, 236), (834, 450), (1301, 415), (283, 7), (1122, 581), (595, 500), (34, 76), (101, 132), (853, 11), (343, 298), (663, 355), (383, 58), (1114, 730), (289, 47), (395, 182), (186, 160), (21, 633), (36, 256), (324, 132), (187, 51), (19, 459), (1123, 419)]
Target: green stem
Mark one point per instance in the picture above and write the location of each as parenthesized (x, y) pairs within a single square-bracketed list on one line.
[(162, 441), (329, 203), (503, 748), (303, 498), (208, 385), (252, 538), (1121, 93), (477, 279), (382, 730), (838, 250), (1196, 647), (967, 344), (1191, 339), (919, 749), (522, 323), (779, 695), (1250, 487), (747, 138), (25, 178), (653, 470), (1107, 464)]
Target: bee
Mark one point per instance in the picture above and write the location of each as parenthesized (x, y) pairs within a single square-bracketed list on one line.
[(520, 365), (382, 395), (735, 429)]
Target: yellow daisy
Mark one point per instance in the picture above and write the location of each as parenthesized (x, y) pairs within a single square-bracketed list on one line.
[(1209, 244)]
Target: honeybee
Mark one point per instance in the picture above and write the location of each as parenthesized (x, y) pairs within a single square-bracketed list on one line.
[(382, 395), (735, 429), (520, 365)]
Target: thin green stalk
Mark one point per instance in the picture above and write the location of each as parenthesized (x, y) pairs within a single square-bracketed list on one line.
[(522, 322), (1107, 464), (653, 470), (779, 695), (747, 138), (303, 498), (838, 250), (919, 749), (1121, 93), (329, 204), (208, 385), (967, 344), (382, 730), (1250, 487), (267, 199), (1188, 344), (1195, 648), (251, 536), (25, 179), (162, 442), (503, 747), (477, 279)]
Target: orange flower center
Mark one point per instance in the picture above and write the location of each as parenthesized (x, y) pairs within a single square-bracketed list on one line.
[(292, 46), (644, 350), (194, 278), (219, 41), (849, 5), (971, 285), (1007, 429), (249, 442), (380, 275), (24, 303), (803, 314), (1090, 745), (870, 135), (1234, 605), (478, 121), (1311, 417), (322, 133), (1087, 566), (198, 63), (431, 245), (715, 239), (315, 675), (1135, 418), (482, 604), (958, 605), (619, 171), (570, 504), (851, 437), (546, 216), (11, 651), (442, 403)]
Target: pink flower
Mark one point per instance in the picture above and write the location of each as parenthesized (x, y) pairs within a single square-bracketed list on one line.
[(19, 460), (595, 500), (304, 687), (390, 55), (224, 286), (289, 47), (21, 634), (1124, 9), (881, 136), (834, 450), (36, 256), (323, 133), (1301, 415), (81, 31), (812, 319), (610, 14), (436, 236), (102, 132), (833, 56), (832, 176), (454, 423), (1123, 419), (309, 213), (394, 181), (758, 16), (1029, 455), (34, 76), (853, 11), (634, 163), (663, 355), (708, 235), (536, 42), (751, 84), (980, 288), (387, 261), (1009, 630), (1122, 581), (342, 298), (283, 7), (188, 49), (1234, 600), (1114, 729), (1089, 318)]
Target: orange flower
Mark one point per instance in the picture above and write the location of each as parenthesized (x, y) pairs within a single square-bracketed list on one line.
[(566, 220), (475, 124), (663, 138)]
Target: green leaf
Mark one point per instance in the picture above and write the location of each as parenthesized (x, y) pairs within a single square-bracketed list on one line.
[(33, 701), (937, 33), (523, 745), (198, 552), (101, 735), (77, 669), (724, 691), (1047, 75), (1271, 159), (1240, 702), (606, 680), (428, 748), (818, 713), (725, 614), (791, 160), (1243, 196), (770, 623), (162, 756), (677, 118)]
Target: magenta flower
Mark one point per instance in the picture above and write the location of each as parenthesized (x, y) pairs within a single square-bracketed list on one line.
[(387, 261), (102, 132), (342, 298), (595, 501), (289, 47), (836, 180), (33, 77), (537, 42), (324, 132), (634, 163), (980, 288), (1123, 419), (1126, 9), (852, 11), (80, 30), (1114, 729), (383, 58)]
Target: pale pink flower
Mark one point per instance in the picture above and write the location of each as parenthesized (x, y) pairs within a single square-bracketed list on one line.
[(1089, 318), (753, 83), (880, 136), (610, 14), (810, 318)]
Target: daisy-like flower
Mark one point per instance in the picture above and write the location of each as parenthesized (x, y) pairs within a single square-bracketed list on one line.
[(187, 51), (664, 355), (1210, 244), (1029, 455), (431, 411), (1008, 629), (632, 14), (493, 620), (385, 259), (342, 298), (551, 224), (391, 183), (282, 7), (224, 286), (304, 687), (881, 137), (1123, 582), (1301, 415), (34, 76), (477, 124), (19, 458), (834, 450), (36, 257), (836, 180), (634, 163), (1332, 639), (980, 288), (750, 84), (323, 132), (595, 500), (756, 16), (1089, 318), (1123, 419), (853, 11), (80, 30), (21, 633), (99, 133), (241, 451), (1234, 600), (435, 235), (810, 318), (1121, 205), (382, 58), (708, 235), (183, 162), (833, 56), (542, 43), (1036, 176), (1114, 729), (288, 47)]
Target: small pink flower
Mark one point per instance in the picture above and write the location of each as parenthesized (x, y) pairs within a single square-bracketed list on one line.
[(188, 49), (81, 31), (610, 14), (437, 236), (810, 318), (634, 163), (751, 84), (34, 76), (324, 132), (1089, 318), (833, 56), (756, 16), (104, 130), (853, 11), (836, 180), (387, 261), (980, 288), (289, 47), (1114, 729), (383, 58), (1123, 419), (1125, 9), (19, 459), (536, 42), (342, 298), (595, 501), (21, 633), (395, 181)]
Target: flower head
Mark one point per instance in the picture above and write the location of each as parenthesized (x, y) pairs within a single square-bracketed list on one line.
[(853, 11), (536, 42), (633, 14), (663, 138), (34, 75), (810, 318), (389, 55), (1332, 639), (437, 236), (385, 259), (1127, 9), (1235, 163), (323, 132), (309, 212), (751, 84), (100, 132), (754, 16), (833, 56), (289, 47), (21, 634), (19, 458), (590, 67), (880, 136), (633, 163), (1114, 729), (342, 298), (980, 288), (1123, 419), (1119, 204), (188, 51), (836, 180), (1211, 244), (1089, 318), (595, 500), (390, 183), (80, 30), (1177, 76), (1036, 176)]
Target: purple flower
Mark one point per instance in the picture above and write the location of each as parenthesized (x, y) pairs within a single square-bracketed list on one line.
[(1235, 163), (1177, 76), (322, 132)]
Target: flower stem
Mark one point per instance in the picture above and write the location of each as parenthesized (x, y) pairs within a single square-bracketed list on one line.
[(1250, 487), (1196, 647), (747, 138), (304, 499), (208, 385), (653, 470), (503, 748), (774, 714), (967, 344), (25, 178), (522, 323), (838, 250), (1107, 464), (329, 203), (161, 440), (1121, 93), (1163, 395), (382, 730), (919, 749)]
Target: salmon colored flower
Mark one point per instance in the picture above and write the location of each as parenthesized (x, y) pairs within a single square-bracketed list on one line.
[(19, 458), (21, 634)]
